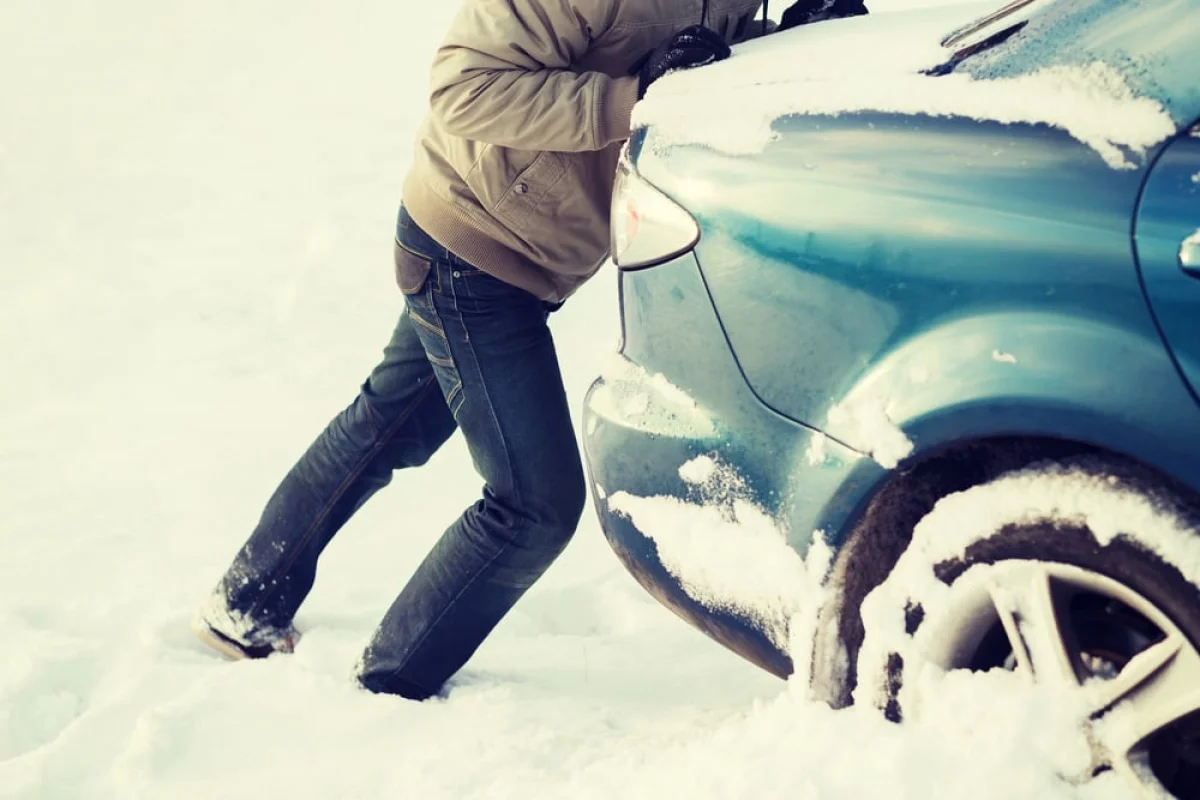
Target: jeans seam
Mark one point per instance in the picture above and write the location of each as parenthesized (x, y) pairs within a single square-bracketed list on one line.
[(323, 514), (508, 464), (487, 395)]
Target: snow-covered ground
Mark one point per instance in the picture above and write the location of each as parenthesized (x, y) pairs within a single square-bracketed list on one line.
[(196, 206)]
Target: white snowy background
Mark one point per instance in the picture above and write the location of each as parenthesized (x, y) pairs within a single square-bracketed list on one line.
[(196, 213)]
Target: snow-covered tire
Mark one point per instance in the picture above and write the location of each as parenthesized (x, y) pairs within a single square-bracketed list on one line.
[(1071, 576)]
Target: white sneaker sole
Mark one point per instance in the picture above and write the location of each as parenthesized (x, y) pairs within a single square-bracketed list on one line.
[(206, 635), (237, 651)]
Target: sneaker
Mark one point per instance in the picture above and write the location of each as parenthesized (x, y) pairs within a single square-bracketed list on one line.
[(215, 626)]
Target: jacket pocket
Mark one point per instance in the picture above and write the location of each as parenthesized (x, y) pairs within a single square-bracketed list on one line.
[(532, 187), (411, 270)]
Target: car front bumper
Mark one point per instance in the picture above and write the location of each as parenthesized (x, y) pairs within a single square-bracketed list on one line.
[(674, 403)]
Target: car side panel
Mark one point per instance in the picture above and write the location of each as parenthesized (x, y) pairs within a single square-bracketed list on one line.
[(944, 276), (1035, 374)]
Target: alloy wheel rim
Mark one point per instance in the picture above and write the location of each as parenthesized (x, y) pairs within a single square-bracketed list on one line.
[(1067, 626)]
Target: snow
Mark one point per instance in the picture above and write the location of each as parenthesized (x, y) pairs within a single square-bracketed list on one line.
[(875, 63), (863, 420), (701, 470), (740, 565), (1189, 249), (1076, 493), (1003, 358), (196, 210), (1081, 493), (815, 454), (632, 396), (730, 555)]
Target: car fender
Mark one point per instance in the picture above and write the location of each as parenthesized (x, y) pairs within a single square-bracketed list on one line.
[(1025, 373)]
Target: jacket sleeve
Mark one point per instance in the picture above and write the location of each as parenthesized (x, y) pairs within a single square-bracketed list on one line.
[(504, 76)]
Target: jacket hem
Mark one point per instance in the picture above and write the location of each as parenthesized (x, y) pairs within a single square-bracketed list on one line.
[(453, 228)]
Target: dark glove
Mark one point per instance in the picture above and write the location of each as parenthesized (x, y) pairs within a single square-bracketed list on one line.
[(691, 47), (803, 12)]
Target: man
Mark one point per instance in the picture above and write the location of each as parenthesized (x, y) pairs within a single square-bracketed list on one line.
[(504, 215)]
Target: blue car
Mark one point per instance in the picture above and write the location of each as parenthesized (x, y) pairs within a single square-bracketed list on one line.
[(910, 360)]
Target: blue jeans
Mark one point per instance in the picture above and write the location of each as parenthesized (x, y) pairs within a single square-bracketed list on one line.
[(469, 352)]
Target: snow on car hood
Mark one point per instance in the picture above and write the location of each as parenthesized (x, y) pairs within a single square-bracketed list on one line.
[(875, 63)]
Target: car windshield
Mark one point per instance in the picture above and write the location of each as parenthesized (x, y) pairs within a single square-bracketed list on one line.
[(1152, 44)]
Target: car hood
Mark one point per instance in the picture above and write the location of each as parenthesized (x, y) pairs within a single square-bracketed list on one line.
[(880, 62)]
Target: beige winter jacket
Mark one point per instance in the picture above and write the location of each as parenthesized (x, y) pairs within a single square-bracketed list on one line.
[(530, 102)]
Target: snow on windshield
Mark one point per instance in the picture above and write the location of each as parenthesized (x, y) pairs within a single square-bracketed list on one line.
[(875, 63), (1150, 42)]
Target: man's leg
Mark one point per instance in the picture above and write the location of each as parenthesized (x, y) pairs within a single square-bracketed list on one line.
[(495, 359), (399, 419)]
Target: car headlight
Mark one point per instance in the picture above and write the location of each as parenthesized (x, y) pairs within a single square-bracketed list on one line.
[(648, 227)]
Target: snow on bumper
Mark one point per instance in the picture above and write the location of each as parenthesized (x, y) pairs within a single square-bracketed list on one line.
[(680, 520), (629, 396)]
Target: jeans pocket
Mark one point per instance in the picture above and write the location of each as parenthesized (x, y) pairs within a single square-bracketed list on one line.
[(412, 270), (422, 310)]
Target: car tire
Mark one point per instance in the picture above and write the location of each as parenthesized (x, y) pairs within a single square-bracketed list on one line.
[(1071, 574)]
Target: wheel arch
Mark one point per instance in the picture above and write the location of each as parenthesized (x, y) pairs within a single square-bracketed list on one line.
[(1097, 379), (877, 534)]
